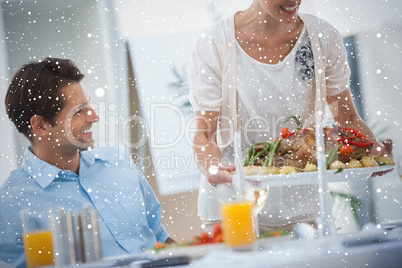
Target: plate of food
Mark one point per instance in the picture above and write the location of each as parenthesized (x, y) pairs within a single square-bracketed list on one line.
[(195, 248), (292, 159), (201, 244)]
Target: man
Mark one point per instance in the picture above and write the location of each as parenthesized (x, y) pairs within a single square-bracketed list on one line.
[(48, 104)]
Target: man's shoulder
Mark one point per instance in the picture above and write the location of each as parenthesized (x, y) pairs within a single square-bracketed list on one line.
[(12, 188), (15, 178)]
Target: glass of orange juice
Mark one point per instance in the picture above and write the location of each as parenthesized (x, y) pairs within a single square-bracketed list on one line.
[(37, 237), (237, 223)]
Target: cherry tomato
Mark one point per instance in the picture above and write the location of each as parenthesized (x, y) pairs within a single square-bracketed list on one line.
[(346, 149), (204, 238), (285, 133)]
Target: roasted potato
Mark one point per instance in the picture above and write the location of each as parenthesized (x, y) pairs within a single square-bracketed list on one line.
[(384, 160), (269, 170), (288, 170), (354, 164), (252, 170), (310, 167), (337, 165), (368, 161)]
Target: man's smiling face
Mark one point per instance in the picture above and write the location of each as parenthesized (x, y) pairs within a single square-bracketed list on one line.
[(72, 129)]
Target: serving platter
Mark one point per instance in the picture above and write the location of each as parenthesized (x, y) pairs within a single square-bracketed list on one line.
[(198, 251), (310, 178), (392, 224)]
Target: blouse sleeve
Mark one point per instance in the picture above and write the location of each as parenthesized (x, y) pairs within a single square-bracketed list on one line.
[(205, 75), (337, 68)]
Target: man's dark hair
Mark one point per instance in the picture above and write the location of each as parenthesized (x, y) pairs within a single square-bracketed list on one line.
[(35, 90)]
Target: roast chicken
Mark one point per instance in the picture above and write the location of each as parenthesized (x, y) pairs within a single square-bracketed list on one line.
[(299, 148)]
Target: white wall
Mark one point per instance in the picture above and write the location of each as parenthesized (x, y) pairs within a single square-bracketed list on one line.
[(351, 17), (164, 17), (7, 149)]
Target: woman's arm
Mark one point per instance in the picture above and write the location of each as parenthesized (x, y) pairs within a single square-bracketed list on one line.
[(345, 113), (207, 152)]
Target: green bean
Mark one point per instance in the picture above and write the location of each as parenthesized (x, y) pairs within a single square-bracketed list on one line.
[(267, 157), (271, 154), (260, 153), (249, 155), (266, 161), (331, 154)]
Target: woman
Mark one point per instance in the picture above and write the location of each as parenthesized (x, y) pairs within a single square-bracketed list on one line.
[(250, 71)]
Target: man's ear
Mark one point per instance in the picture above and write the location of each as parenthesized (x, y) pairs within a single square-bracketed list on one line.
[(38, 125)]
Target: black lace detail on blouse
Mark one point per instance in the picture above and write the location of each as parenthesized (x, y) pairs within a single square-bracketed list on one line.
[(305, 57)]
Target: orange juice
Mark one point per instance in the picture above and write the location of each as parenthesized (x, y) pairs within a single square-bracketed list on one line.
[(38, 247), (237, 220)]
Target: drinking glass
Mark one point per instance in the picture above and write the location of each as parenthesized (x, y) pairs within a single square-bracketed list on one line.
[(257, 194), (37, 237), (237, 223)]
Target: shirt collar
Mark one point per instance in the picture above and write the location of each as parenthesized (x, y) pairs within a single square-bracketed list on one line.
[(44, 173)]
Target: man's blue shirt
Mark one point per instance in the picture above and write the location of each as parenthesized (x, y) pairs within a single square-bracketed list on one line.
[(108, 181)]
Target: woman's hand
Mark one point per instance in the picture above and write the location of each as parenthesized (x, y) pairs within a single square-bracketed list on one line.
[(207, 151), (387, 148), (222, 173)]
